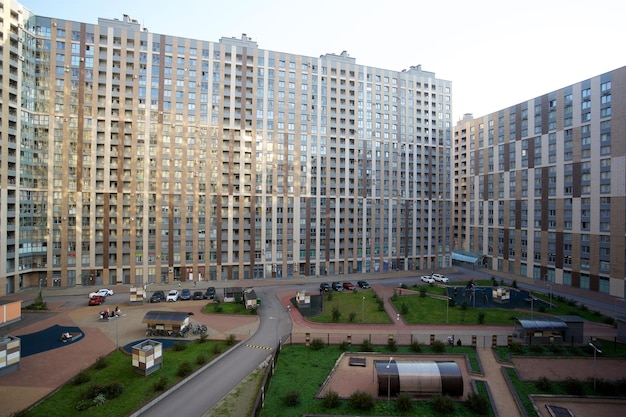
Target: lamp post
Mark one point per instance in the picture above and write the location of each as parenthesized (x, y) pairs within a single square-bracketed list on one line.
[(447, 308), (389, 380), (363, 310), (550, 286), (595, 352)]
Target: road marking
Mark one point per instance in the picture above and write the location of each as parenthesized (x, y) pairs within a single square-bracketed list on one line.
[(259, 347)]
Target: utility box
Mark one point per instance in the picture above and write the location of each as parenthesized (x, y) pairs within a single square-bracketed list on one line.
[(147, 357)]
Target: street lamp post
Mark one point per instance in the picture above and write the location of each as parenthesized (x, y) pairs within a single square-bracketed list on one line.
[(447, 308), (389, 381), (595, 352), (363, 310)]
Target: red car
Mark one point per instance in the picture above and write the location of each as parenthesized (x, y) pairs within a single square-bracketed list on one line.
[(348, 286), (96, 300)]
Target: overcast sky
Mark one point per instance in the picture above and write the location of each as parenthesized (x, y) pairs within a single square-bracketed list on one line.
[(496, 53)]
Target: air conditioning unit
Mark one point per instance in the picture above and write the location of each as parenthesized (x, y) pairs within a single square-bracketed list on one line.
[(21, 58)]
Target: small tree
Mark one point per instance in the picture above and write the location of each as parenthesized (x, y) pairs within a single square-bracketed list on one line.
[(392, 345), (366, 346), (438, 346), (481, 317), (352, 317), (404, 402), (331, 399), (336, 314), (317, 344), (362, 400)]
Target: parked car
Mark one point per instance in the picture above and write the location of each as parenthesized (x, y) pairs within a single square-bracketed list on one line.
[(103, 292), (197, 295), (363, 284), (440, 278), (325, 287), (96, 300), (427, 279), (336, 286), (185, 294), (172, 295), (348, 286), (157, 297), (210, 293)]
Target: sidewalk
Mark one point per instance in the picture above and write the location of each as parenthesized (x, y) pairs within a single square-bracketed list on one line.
[(503, 400)]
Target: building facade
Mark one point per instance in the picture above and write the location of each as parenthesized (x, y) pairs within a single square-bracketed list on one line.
[(540, 187), (129, 157)]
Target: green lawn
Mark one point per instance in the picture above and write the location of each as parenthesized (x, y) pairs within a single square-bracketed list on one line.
[(304, 370), (137, 389), (362, 305)]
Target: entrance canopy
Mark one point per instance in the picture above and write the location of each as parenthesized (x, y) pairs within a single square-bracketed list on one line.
[(467, 257)]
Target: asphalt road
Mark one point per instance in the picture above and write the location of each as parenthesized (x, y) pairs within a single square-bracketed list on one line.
[(211, 385)]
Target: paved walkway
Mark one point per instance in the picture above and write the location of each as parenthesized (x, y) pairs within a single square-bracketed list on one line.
[(501, 395)]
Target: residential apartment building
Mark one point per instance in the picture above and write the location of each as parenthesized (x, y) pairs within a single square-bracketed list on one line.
[(129, 157), (540, 187)]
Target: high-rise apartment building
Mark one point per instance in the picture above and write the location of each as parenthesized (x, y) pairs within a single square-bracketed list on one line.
[(540, 187), (133, 157)]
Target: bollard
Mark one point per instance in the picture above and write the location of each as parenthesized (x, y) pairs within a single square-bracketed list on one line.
[(432, 339), (494, 341), (307, 339), (349, 340), (390, 338), (474, 341), (509, 340)]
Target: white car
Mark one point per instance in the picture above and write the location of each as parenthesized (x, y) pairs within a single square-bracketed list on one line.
[(440, 278), (104, 292), (172, 295), (427, 279)]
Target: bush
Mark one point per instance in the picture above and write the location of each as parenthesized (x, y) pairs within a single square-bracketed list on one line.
[(160, 384), (543, 384), (331, 399), (477, 403), (203, 338), (184, 369), (416, 346), (317, 344), (201, 359), (344, 346), (442, 404), (217, 349), (404, 309), (99, 400), (329, 295), (464, 306), (392, 345), (179, 346), (573, 386), (516, 347), (481, 317), (404, 402), (606, 388), (336, 314), (536, 349), (366, 346), (351, 317), (362, 400), (556, 349), (438, 346), (93, 391), (422, 291), (292, 398), (113, 389), (101, 363), (81, 378), (514, 284), (80, 406), (231, 340)]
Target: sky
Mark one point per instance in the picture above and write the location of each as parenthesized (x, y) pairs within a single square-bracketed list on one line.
[(496, 53)]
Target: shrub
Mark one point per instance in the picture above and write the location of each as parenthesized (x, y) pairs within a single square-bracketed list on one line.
[(543, 384), (464, 305), (160, 384), (606, 388), (351, 317), (93, 391), (416, 346), (516, 347), (184, 369), (80, 406), (438, 346), (81, 378), (317, 344), (344, 346), (366, 346), (481, 317), (217, 349), (477, 403), (200, 359), (392, 345), (404, 402), (514, 284), (442, 404), (329, 295), (557, 349), (101, 363), (99, 400), (179, 346), (331, 399), (362, 400), (422, 291), (231, 340), (336, 314), (203, 338), (113, 389), (536, 348), (292, 398), (404, 309), (573, 386), (217, 307)]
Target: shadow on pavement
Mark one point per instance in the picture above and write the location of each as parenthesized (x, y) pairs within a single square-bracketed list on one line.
[(48, 339)]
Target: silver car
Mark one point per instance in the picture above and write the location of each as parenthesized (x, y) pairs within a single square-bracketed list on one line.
[(427, 279)]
